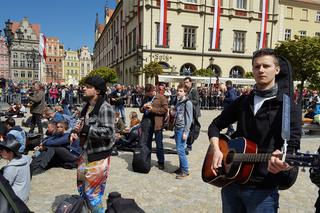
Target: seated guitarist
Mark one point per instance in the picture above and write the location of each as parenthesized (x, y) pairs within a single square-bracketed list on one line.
[(259, 119)]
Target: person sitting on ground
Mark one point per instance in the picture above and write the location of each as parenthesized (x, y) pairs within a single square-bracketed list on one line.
[(61, 149), (16, 110), (16, 132), (132, 134), (17, 171), (120, 126)]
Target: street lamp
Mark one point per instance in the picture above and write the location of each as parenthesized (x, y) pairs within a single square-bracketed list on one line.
[(9, 34), (211, 61)]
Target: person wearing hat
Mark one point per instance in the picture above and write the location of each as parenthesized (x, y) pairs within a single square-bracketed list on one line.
[(17, 171), (97, 134)]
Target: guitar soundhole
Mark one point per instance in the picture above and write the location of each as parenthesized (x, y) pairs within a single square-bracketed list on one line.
[(229, 157)]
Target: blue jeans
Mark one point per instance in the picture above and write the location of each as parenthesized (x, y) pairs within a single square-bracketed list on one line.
[(181, 146), (238, 198), (120, 109), (159, 145)]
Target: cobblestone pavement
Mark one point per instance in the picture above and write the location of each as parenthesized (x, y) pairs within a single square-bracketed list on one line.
[(159, 191)]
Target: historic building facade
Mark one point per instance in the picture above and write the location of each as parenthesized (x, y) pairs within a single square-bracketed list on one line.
[(130, 36), (55, 56), (25, 63), (4, 59), (298, 18), (71, 67), (85, 61)]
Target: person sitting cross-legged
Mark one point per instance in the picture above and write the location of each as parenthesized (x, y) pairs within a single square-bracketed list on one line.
[(17, 171), (16, 132), (61, 149)]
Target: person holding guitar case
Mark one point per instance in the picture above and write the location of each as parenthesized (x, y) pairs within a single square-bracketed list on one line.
[(96, 133), (259, 121)]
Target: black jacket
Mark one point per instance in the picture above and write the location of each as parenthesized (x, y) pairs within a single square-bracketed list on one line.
[(264, 129)]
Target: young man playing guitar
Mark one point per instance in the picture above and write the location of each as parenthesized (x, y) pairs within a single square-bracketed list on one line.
[(259, 119)]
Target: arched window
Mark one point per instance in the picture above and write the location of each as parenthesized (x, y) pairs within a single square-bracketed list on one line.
[(215, 69), (187, 69), (164, 65), (236, 72)]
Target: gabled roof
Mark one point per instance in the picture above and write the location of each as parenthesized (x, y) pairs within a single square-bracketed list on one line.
[(35, 28)]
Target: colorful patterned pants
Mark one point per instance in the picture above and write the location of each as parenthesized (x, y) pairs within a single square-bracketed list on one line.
[(91, 181)]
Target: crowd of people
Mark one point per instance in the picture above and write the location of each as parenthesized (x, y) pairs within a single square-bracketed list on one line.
[(85, 136)]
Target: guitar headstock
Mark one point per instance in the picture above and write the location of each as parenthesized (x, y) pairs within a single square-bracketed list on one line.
[(304, 160)]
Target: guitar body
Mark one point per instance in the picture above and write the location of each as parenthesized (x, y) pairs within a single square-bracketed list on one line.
[(230, 171)]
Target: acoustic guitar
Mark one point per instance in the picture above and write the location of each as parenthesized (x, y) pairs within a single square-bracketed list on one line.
[(239, 158)]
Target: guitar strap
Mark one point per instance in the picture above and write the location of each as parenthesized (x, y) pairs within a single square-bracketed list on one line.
[(285, 130)]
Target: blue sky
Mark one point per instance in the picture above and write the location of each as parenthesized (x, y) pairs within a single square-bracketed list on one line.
[(72, 21)]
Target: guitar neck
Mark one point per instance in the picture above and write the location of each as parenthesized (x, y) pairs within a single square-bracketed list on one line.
[(306, 160)]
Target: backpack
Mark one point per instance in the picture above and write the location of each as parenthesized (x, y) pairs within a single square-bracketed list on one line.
[(9, 201), (117, 204), (72, 204), (195, 125)]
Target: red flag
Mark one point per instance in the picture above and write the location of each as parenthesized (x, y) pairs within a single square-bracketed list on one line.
[(163, 23), (216, 25), (42, 46), (264, 21)]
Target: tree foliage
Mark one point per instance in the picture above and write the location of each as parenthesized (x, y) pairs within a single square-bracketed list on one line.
[(248, 75), (153, 69), (203, 73), (304, 55), (108, 74)]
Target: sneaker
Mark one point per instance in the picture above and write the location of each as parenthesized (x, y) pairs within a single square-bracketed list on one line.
[(161, 166), (182, 175)]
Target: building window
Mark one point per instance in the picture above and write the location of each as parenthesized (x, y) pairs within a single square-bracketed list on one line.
[(302, 34), (15, 55), (22, 64), (191, 1), (287, 34), (29, 74), (258, 40), (211, 37), (317, 34), (22, 56), (304, 14), (15, 63), (242, 4), (158, 34), (15, 73), (318, 16), (289, 13), (134, 39), (23, 74), (189, 37), (130, 43), (239, 38)]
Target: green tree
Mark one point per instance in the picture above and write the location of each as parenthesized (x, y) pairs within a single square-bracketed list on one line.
[(203, 73), (108, 74), (304, 55), (153, 69), (248, 75)]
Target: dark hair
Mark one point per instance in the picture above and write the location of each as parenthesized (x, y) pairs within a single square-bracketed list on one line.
[(228, 83), (148, 88), (64, 123), (182, 86), (187, 78), (10, 121), (265, 52)]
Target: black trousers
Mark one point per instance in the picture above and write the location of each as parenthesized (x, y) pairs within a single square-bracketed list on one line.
[(36, 120)]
